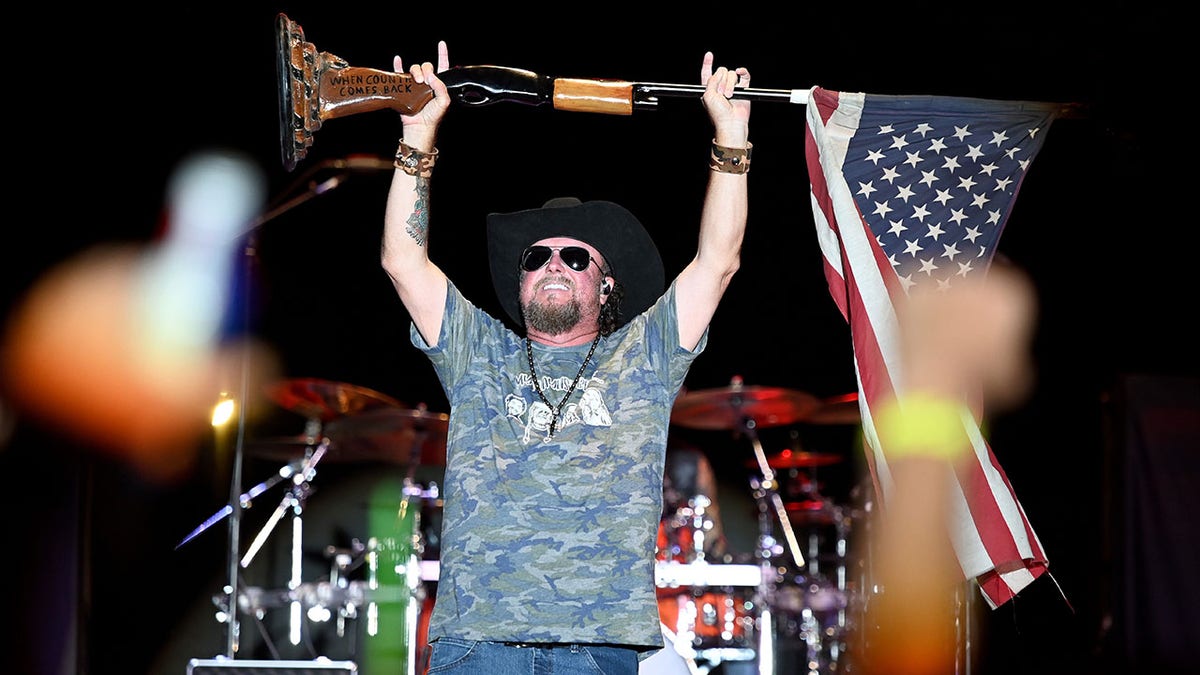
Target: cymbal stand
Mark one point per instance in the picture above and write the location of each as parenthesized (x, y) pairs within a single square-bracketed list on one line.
[(767, 490), (766, 494), (246, 500), (293, 500)]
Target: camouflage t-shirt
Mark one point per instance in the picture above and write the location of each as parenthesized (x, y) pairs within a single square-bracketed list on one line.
[(551, 538)]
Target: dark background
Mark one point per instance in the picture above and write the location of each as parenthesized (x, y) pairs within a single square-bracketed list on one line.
[(1102, 224)]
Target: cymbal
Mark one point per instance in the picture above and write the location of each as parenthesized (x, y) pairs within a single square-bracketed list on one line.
[(391, 434), (327, 400), (730, 407), (842, 409), (792, 459), (394, 435)]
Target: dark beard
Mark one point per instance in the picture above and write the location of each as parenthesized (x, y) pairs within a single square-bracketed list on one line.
[(554, 320)]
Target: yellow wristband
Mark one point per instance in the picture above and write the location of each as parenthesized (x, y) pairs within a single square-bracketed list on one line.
[(920, 425)]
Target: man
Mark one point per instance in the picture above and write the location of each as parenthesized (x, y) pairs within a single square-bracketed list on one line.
[(556, 441)]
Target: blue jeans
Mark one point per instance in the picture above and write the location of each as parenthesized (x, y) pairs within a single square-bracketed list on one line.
[(451, 656)]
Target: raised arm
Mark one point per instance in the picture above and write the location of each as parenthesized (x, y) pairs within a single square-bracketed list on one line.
[(420, 284), (723, 220), (974, 336)]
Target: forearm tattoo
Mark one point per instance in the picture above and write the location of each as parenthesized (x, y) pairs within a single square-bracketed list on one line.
[(417, 225)]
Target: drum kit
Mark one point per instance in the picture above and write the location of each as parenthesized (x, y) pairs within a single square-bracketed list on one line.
[(784, 607), (789, 605), (370, 606)]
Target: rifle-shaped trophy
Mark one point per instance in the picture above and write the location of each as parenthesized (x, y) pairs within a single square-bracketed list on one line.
[(315, 87)]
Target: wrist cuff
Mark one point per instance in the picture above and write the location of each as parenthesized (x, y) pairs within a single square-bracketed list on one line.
[(730, 160), (414, 162)]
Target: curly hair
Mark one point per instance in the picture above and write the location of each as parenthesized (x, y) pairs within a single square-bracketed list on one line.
[(610, 312)]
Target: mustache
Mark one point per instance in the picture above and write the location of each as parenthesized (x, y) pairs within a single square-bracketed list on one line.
[(559, 279)]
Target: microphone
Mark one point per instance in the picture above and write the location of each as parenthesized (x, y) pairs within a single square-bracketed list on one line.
[(360, 163)]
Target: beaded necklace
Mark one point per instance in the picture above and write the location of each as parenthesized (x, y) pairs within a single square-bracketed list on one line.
[(537, 386)]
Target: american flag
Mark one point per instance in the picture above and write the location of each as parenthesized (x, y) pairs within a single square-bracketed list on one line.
[(913, 190)]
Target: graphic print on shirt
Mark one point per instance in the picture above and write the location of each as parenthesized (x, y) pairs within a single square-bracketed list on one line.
[(535, 416)]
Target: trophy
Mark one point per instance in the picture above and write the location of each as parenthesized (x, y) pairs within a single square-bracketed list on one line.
[(315, 87)]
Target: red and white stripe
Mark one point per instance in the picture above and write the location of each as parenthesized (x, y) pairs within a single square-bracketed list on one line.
[(991, 534)]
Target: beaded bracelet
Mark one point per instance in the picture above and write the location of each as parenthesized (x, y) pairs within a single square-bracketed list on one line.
[(920, 425), (730, 160), (414, 162)]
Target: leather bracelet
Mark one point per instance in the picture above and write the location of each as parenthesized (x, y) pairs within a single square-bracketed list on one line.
[(730, 160), (414, 162)]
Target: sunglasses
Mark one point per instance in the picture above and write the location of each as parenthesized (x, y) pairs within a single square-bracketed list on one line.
[(575, 257)]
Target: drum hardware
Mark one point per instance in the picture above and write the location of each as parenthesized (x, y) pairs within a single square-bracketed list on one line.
[(299, 470), (372, 619), (246, 499), (299, 473), (367, 425), (708, 609), (326, 594), (342, 563), (326, 404), (683, 535), (811, 604), (293, 501)]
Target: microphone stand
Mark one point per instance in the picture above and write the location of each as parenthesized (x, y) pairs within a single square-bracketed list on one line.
[(313, 189), (233, 562), (232, 592)]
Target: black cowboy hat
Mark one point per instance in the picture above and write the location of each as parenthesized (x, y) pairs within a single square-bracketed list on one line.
[(630, 253)]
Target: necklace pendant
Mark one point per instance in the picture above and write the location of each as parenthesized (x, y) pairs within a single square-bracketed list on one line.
[(537, 386)]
